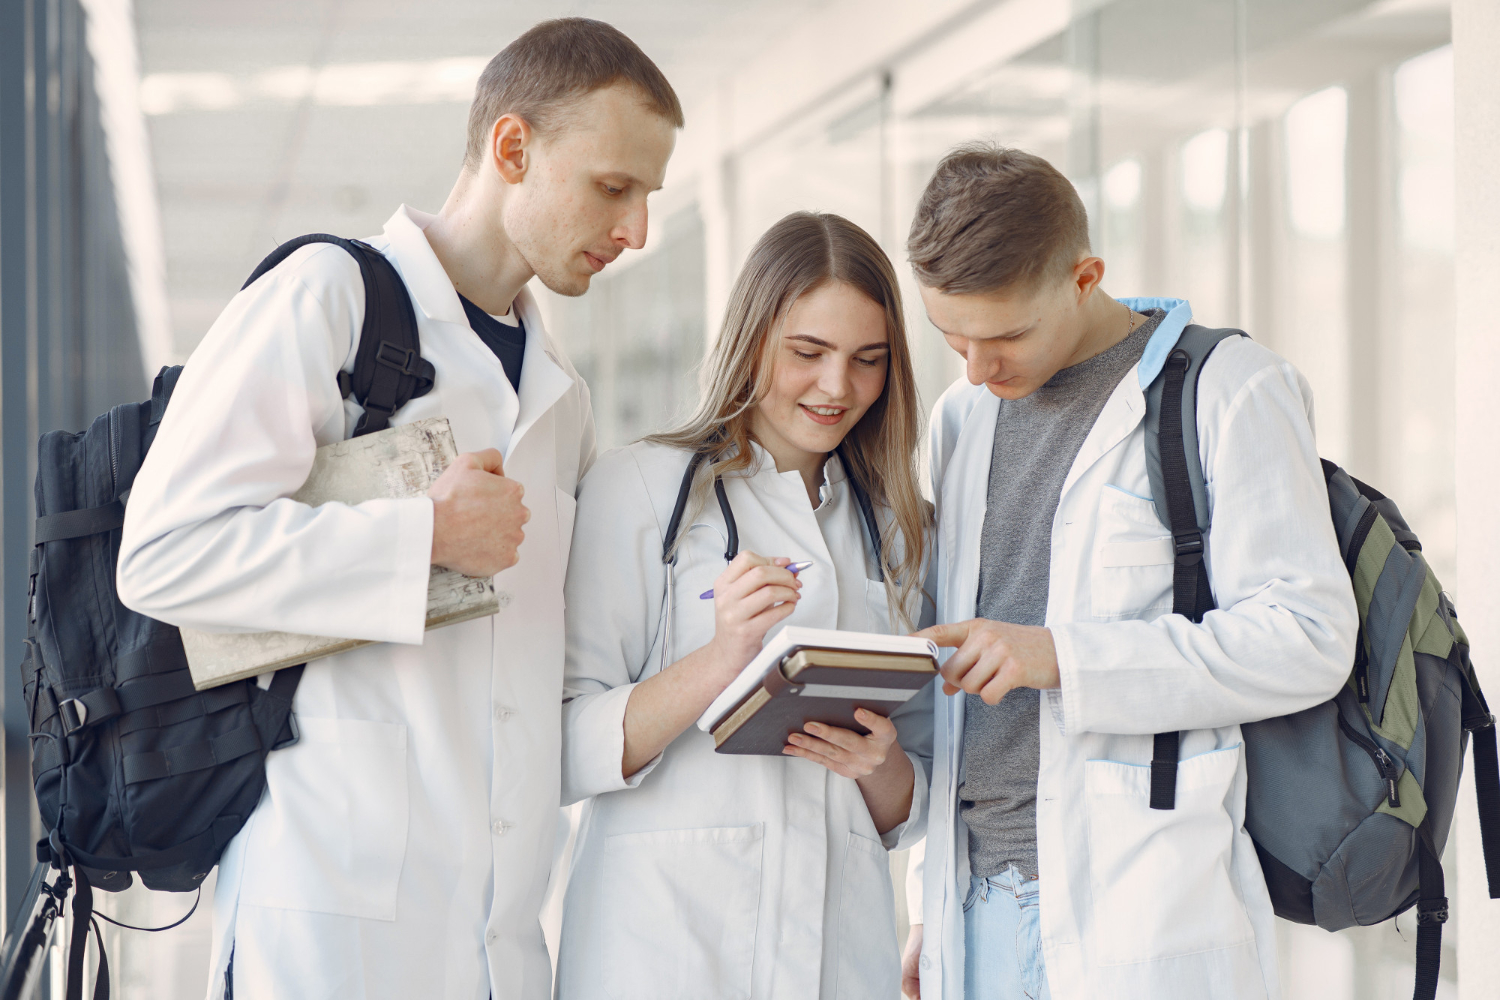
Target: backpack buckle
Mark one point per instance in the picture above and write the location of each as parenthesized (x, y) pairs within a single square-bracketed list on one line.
[(399, 358), (1188, 547), (76, 712), (74, 715), (1433, 911)]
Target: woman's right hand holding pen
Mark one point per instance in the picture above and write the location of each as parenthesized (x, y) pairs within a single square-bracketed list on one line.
[(751, 597)]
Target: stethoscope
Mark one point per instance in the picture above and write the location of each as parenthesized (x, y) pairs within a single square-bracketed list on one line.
[(732, 549)]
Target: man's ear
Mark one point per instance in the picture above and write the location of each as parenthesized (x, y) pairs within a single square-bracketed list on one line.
[(510, 147), (1087, 275)]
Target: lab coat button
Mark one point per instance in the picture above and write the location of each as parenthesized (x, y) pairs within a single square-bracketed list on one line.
[(490, 937), (500, 826), (502, 713), (926, 962), (502, 599)]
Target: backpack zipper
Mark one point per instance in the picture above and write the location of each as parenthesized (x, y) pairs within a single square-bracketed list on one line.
[(1383, 762), (114, 460)]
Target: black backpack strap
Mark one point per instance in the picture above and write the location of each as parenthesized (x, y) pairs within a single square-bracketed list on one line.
[(1432, 913), (389, 368), (83, 922), (1176, 475), (1480, 723)]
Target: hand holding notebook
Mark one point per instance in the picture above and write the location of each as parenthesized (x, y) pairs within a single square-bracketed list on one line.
[(816, 675)]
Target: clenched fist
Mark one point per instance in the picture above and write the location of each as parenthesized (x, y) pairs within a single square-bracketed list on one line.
[(477, 515)]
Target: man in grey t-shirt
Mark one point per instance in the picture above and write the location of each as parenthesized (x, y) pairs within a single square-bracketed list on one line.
[(1036, 439), (1050, 872)]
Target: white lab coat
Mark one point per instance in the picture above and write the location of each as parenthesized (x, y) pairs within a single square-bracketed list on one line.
[(401, 848), (1142, 904), (711, 875)]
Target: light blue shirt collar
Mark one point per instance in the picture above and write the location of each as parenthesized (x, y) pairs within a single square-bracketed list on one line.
[(1179, 315)]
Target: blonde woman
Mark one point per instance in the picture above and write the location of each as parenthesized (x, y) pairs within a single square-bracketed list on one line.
[(702, 875)]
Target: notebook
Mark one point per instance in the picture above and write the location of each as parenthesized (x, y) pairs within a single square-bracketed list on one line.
[(816, 675), (401, 461)]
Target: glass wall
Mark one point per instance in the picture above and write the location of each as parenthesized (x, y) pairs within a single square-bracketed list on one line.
[(638, 335), (1286, 165)]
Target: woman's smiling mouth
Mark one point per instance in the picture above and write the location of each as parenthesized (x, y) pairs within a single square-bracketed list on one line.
[(825, 415)]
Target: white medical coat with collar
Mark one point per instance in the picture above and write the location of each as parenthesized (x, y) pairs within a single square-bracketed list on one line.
[(1136, 903), (706, 874), (402, 846)]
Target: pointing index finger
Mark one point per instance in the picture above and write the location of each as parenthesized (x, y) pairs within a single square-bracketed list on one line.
[(946, 635)]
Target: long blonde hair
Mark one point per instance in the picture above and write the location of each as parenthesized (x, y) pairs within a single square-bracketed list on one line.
[(800, 253)]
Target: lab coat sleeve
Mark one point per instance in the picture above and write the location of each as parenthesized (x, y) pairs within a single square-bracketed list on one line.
[(914, 732), (614, 596), (211, 538), (1284, 638), (916, 861)]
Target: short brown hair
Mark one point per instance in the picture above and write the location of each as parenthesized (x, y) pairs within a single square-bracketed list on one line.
[(994, 218), (555, 63)]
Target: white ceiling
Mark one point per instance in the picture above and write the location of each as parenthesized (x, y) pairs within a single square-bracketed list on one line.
[(271, 119)]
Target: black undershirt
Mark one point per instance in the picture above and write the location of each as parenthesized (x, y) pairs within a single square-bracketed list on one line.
[(508, 342)]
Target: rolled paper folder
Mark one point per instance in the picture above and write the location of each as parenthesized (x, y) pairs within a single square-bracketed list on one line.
[(819, 678)]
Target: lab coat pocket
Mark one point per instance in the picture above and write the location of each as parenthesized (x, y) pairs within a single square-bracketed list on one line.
[(567, 510), (1131, 575), (1161, 878), (330, 834), (679, 913), (868, 965)]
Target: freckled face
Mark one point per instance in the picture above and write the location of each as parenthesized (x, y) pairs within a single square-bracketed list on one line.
[(583, 200), (829, 368)]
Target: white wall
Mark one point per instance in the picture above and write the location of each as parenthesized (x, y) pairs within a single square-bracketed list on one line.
[(1476, 38)]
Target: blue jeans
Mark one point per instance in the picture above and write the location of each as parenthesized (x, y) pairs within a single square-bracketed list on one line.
[(1003, 939)]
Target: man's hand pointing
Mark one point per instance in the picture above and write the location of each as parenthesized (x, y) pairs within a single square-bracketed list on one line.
[(995, 657)]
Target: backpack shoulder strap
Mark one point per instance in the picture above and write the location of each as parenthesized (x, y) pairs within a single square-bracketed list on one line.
[(1175, 471), (389, 368), (1181, 371)]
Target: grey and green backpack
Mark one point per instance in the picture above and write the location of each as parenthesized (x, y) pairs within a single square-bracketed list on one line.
[(1350, 802)]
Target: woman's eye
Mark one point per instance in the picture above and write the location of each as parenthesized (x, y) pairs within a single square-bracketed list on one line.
[(612, 190), (805, 356), (867, 362)]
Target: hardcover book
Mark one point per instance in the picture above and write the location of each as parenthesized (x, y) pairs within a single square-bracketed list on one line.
[(807, 675)]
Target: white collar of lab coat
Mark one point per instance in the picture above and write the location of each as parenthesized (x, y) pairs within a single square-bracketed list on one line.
[(544, 378), (764, 464), (966, 477), (430, 287)]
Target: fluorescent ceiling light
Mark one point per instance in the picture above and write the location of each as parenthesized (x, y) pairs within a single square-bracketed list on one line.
[(433, 81)]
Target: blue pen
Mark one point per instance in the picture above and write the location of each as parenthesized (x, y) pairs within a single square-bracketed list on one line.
[(793, 569)]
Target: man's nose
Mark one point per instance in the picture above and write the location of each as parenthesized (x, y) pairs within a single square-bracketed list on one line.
[(978, 366), (631, 230)]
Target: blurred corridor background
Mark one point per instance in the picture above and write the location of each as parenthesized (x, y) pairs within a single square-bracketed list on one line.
[(1286, 165)]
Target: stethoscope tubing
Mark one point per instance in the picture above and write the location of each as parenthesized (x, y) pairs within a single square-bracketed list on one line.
[(732, 549)]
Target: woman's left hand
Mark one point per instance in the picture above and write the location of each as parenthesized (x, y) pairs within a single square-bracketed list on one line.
[(843, 751)]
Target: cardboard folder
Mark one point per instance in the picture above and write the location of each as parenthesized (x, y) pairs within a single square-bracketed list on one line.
[(820, 685)]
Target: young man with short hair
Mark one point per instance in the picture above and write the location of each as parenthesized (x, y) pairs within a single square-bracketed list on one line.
[(1047, 872), (403, 844)]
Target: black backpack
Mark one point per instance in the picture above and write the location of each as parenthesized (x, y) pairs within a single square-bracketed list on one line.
[(1349, 802), (134, 769)]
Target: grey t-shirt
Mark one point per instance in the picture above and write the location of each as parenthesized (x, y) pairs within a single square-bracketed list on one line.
[(1036, 441)]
